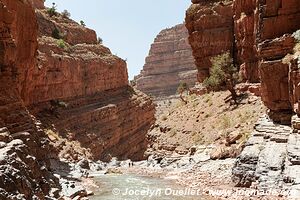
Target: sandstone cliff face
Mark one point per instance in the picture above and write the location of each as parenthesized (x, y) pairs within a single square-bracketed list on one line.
[(278, 67), (245, 23), (23, 148), (278, 79), (103, 112), (38, 3), (255, 34), (210, 27), (170, 62)]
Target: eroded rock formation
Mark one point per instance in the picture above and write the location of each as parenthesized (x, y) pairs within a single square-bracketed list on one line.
[(258, 33), (245, 32), (278, 77), (73, 86), (170, 62), (279, 74), (210, 27), (24, 149), (264, 49), (101, 110)]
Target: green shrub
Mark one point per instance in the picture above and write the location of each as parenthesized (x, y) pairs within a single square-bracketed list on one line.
[(52, 11), (181, 88), (66, 14), (82, 23), (61, 44), (100, 41), (222, 73), (56, 34)]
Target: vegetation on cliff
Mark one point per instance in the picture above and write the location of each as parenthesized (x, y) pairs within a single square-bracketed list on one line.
[(223, 72)]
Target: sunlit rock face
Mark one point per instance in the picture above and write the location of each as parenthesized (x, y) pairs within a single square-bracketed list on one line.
[(258, 34), (169, 62), (280, 90), (103, 113), (210, 27), (24, 149)]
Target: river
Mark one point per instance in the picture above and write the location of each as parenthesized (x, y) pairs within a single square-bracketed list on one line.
[(134, 187)]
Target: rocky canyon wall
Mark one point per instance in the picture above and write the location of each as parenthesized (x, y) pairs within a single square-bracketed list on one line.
[(73, 86), (101, 110), (24, 149), (258, 34), (245, 31), (210, 27), (278, 78), (169, 62)]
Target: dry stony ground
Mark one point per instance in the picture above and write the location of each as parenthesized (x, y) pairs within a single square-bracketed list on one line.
[(205, 124), (204, 120)]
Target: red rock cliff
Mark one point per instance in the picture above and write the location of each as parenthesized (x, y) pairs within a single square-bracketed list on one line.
[(101, 111), (104, 113), (259, 43), (23, 148), (245, 29), (169, 62), (210, 27), (279, 79)]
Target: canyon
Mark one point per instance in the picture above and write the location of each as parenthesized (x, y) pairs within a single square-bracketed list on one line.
[(72, 86), (94, 85), (66, 105), (169, 62), (263, 41)]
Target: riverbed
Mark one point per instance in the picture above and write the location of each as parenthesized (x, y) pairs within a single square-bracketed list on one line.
[(136, 187)]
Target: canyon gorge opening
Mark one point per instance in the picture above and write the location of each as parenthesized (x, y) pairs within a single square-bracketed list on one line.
[(213, 113)]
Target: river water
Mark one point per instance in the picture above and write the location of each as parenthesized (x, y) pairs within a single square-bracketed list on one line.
[(132, 187)]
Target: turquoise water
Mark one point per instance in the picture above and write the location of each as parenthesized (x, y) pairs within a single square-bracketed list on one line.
[(131, 187)]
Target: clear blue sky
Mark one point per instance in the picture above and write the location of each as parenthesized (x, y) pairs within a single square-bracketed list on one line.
[(127, 27)]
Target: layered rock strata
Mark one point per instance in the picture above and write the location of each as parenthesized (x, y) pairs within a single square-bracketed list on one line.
[(245, 31), (73, 85), (211, 32), (258, 35), (262, 167), (169, 62), (24, 148), (100, 110), (279, 77)]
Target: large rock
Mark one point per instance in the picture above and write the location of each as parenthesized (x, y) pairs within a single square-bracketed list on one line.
[(211, 32), (268, 158), (169, 62)]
